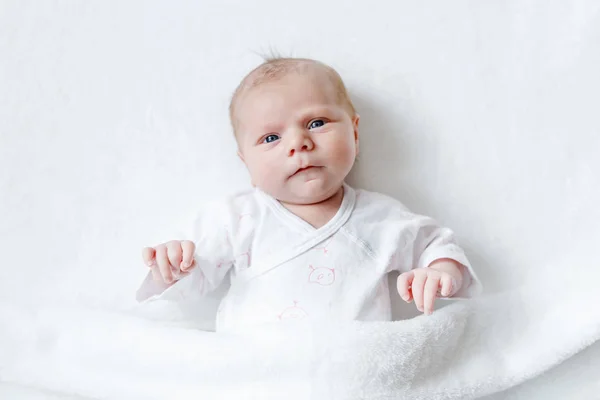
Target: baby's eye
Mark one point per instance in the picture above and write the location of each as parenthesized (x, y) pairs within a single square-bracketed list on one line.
[(317, 123), (271, 138)]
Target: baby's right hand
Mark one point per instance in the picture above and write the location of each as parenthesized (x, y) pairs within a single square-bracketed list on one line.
[(168, 260)]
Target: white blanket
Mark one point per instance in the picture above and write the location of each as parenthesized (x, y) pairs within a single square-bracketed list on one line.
[(463, 351)]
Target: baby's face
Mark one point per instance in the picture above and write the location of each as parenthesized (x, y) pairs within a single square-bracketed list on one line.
[(296, 140)]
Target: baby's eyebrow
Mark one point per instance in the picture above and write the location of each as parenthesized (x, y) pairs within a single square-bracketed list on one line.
[(270, 127), (315, 111)]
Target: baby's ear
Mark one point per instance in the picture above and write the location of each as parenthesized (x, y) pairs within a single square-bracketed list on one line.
[(355, 121)]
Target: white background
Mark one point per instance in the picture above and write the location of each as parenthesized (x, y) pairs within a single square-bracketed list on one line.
[(114, 127)]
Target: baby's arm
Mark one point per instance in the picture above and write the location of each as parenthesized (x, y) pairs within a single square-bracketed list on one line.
[(168, 263), (185, 269), (439, 266)]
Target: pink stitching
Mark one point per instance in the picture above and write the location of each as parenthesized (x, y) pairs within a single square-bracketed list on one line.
[(326, 243), (321, 275), (293, 312)]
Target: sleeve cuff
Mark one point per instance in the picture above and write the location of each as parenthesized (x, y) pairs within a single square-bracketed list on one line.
[(188, 286)]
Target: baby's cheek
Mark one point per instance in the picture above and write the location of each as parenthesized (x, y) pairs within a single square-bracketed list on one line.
[(259, 174), (346, 157), (267, 174)]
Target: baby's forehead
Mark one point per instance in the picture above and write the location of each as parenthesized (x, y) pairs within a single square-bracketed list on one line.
[(318, 87), (311, 74), (283, 98)]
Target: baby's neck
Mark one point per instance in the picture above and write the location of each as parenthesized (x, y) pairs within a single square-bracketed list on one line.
[(318, 214)]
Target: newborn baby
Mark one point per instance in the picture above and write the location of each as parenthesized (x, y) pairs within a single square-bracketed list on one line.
[(303, 243)]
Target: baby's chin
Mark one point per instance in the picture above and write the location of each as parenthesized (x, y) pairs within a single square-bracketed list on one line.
[(305, 193)]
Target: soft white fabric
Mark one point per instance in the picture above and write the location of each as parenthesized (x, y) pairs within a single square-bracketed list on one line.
[(283, 268), (464, 351), (114, 123)]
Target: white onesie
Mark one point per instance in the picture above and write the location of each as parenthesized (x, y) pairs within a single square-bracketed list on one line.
[(281, 267)]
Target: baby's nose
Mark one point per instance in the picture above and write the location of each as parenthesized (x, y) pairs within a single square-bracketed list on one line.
[(300, 142)]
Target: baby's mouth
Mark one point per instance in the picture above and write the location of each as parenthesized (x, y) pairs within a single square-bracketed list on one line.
[(305, 169)]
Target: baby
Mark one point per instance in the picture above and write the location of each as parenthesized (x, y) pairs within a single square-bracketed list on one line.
[(302, 243)]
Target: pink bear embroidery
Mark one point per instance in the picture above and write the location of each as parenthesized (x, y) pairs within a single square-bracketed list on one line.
[(321, 275), (293, 312)]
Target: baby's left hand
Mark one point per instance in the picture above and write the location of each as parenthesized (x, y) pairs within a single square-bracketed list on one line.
[(424, 284)]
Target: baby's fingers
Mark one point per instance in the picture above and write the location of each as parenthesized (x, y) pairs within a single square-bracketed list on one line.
[(403, 285), (187, 261), (164, 266), (418, 290), (174, 253), (447, 286), (156, 275), (148, 254), (430, 293)]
